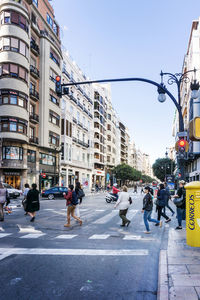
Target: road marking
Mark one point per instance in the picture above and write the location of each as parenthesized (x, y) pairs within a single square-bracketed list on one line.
[(99, 237), (66, 236), (28, 229), (72, 252), (106, 218), (99, 209), (32, 235), (130, 215), (1, 229), (48, 209), (132, 237), (2, 235)]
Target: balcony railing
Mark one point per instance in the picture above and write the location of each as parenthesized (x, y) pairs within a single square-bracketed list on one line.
[(34, 94), (66, 73), (80, 124), (80, 105), (34, 118), (74, 139), (33, 140), (90, 115), (85, 128), (74, 120), (85, 110), (35, 48), (80, 89), (73, 99), (34, 71)]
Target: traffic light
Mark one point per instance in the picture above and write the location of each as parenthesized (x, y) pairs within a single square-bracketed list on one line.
[(194, 129), (182, 148), (58, 86)]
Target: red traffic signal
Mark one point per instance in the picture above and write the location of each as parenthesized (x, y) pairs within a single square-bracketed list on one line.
[(182, 143), (58, 78), (58, 86)]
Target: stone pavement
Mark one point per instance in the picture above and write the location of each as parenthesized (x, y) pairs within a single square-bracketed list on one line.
[(179, 269)]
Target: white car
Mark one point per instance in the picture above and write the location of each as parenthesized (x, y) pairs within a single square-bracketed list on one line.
[(12, 192)]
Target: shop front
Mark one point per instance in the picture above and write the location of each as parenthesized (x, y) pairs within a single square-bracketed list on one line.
[(46, 180), (13, 178)]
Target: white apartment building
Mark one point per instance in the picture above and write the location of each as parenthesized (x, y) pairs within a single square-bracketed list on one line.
[(191, 107), (132, 155), (30, 111), (77, 128)]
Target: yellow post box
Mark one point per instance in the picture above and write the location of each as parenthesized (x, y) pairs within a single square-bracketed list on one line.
[(193, 213)]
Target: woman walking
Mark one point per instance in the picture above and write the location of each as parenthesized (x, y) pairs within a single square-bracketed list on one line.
[(3, 198), (147, 209), (32, 202), (181, 206), (161, 202), (80, 194), (123, 203), (71, 203)]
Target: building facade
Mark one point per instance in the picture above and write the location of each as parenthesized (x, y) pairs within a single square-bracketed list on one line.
[(76, 127), (29, 119)]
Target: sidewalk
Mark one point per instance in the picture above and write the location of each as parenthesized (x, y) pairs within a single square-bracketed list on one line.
[(179, 269)]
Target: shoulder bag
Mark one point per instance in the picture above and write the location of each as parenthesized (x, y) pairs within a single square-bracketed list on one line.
[(179, 201)]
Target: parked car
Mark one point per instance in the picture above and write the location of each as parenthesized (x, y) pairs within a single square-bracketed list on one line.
[(54, 192), (12, 192)]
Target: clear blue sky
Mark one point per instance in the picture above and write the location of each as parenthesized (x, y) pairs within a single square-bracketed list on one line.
[(129, 38)]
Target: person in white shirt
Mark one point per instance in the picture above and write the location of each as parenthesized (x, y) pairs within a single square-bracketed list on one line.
[(26, 190), (123, 204)]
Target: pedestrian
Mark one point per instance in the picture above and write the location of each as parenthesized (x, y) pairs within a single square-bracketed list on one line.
[(168, 198), (181, 206), (96, 187), (4, 197), (80, 194), (135, 188), (115, 191), (32, 202), (147, 209), (24, 201), (142, 191), (71, 203), (161, 202), (123, 204)]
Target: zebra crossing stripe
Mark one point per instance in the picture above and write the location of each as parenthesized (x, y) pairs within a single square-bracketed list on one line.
[(66, 236), (132, 237), (72, 252), (32, 235), (2, 235), (106, 218), (99, 237)]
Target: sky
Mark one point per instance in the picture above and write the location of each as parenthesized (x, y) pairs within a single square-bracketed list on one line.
[(130, 38)]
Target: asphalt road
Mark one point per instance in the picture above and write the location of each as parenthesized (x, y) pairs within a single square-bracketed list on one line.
[(98, 260)]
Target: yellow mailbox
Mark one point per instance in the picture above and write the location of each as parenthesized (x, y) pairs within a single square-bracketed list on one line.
[(193, 213)]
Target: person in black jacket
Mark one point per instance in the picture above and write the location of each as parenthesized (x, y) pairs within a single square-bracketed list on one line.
[(181, 210), (32, 204), (147, 209), (162, 197)]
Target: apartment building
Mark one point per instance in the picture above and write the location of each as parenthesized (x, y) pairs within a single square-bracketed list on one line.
[(123, 143), (30, 110), (101, 96), (77, 127), (191, 107), (132, 155)]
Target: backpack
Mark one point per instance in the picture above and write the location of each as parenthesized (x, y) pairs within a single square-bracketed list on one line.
[(74, 199), (80, 194)]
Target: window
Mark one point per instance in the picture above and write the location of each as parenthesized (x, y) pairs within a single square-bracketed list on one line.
[(33, 18), (53, 75), (13, 70), (13, 153), (13, 125), (54, 118), (32, 132), (13, 99), (67, 151), (54, 100), (49, 20), (31, 156), (62, 126), (15, 45), (46, 159), (35, 2), (13, 17), (54, 57), (54, 139), (55, 28)]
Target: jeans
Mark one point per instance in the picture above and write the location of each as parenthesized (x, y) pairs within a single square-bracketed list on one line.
[(147, 217), (122, 214), (180, 215), (161, 213), (167, 205)]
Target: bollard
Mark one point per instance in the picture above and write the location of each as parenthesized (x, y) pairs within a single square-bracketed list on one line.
[(193, 213)]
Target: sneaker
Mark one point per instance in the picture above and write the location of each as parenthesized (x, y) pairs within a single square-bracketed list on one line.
[(122, 225), (157, 224), (147, 232), (168, 221), (32, 219), (66, 225), (178, 228), (160, 224)]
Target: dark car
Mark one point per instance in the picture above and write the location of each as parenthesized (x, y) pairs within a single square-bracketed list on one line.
[(55, 192)]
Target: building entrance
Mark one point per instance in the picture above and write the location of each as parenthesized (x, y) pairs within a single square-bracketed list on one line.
[(13, 180)]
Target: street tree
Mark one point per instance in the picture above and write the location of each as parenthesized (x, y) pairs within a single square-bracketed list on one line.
[(124, 173), (163, 167)]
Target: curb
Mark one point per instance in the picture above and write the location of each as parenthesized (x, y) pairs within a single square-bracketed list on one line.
[(163, 283)]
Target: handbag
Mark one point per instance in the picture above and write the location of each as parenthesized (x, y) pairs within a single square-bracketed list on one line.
[(80, 194), (178, 201)]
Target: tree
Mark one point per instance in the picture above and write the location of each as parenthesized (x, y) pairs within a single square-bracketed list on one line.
[(124, 173), (162, 167)]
